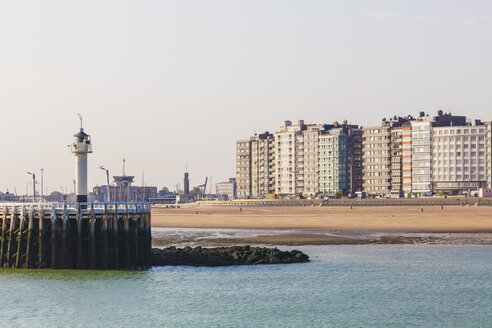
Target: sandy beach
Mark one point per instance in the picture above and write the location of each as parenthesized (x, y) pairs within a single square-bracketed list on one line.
[(388, 218), (332, 225)]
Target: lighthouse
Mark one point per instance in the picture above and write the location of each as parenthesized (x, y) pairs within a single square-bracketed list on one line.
[(81, 147)]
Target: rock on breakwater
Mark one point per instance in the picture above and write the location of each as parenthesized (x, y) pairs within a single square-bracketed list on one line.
[(224, 256)]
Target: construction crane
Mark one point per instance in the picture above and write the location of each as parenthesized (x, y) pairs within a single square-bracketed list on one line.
[(204, 186)]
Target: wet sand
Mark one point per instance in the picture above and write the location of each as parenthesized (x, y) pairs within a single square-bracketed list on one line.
[(294, 226)]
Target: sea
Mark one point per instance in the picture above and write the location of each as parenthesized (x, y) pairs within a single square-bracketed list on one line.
[(342, 286)]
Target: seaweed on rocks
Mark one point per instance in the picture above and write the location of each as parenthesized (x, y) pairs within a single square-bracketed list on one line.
[(224, 256)]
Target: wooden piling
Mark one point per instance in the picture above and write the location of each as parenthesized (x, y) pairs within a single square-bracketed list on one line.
[(92, 238), (4, 221), (136, 217), (41, 241), (126, 236), (20, 234), (30, 227), (11, 232), (53, 239), (77, 237), (64, 249), (116, 260), (79, 240), (104, 232)]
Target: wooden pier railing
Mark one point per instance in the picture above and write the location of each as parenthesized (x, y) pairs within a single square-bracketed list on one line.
[(75, 235)]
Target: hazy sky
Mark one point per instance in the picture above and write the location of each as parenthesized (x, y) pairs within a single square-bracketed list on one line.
[(162, 83)]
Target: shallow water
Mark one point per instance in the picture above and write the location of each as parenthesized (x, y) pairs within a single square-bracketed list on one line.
[(343, 286)]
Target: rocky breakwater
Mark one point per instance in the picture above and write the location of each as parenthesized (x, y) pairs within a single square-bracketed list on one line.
[(224, 256)]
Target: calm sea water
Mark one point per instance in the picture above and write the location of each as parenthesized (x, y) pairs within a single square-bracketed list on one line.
[(344, 286)]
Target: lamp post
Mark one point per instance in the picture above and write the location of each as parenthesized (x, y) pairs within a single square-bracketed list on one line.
[(33, 186), (107, 184), (42, 185)]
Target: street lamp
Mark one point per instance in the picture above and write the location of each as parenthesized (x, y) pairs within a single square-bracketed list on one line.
[(107, 183), (42, 185), (33, 186)]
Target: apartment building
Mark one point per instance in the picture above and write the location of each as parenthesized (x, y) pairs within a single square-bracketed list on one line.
[(387, 157), (340, 160), (459, 158), (376, 160), (443, 153), (422, 150), (262, 165), (489, 154), (243, 168), (289, 163), (308, 169), (406, 161), (421, 157)]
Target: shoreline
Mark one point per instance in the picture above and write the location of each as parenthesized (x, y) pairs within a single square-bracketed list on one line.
[(298, 226), (269, 237)]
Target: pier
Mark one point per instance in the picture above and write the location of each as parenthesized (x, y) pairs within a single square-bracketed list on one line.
[(75, 235)]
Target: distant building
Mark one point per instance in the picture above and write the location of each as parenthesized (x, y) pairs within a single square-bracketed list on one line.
[(340, 160), (459, 158), (243, 168), (489, 154), (226, 190), (404, 155), (262, 166), (129, 194), (7, 197)]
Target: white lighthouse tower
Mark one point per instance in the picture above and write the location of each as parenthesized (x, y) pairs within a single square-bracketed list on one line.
[(81, 147)]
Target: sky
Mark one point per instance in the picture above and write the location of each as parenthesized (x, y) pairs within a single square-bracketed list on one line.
[(165, 83)]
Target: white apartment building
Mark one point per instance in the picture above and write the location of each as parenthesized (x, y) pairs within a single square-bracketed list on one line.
[(309, 154), (407, 159), (289, 168), (459, 160), (421, 157), (226, 190)]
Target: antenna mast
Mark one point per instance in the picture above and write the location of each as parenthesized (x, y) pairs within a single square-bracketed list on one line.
[(80, 117)]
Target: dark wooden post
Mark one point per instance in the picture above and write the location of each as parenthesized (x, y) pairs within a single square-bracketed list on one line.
[(40, 240), (136, 217), (115, 237), (22, 218), (11, 232), (92, 238), (29, 250), (79, 238), (126, 235), (104, 232), (53, 238), (4, 221), (64, 263)]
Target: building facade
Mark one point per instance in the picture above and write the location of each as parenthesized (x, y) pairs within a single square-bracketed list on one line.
[(289, 166), (376, 160), (459, 158), (340, 160), (243, 168), (226, 190), (404, 155), (262, 165), (489, 154), (129, 194)]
